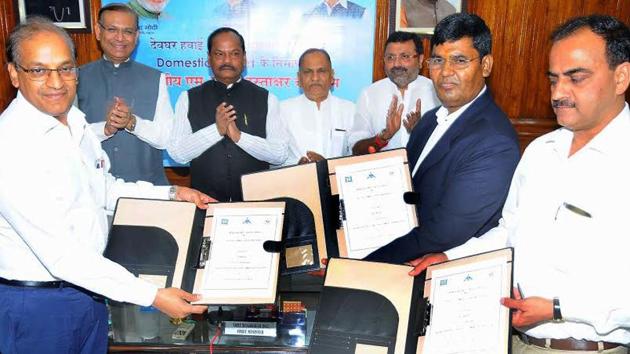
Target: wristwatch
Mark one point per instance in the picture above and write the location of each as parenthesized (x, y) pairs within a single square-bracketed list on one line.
[(130, 128), (172, 193), (557, 314)]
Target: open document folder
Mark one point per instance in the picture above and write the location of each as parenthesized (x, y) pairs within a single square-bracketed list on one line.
[(454, 307), (217, 252), (356, 201)]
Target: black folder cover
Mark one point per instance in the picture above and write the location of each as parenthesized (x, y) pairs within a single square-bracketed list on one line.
[(378, 308)]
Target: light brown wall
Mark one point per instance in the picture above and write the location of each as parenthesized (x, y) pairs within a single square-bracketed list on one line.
[(520, 30)]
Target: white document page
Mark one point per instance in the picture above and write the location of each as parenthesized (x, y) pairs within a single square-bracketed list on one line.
[(376, 213), (466, 315), (238, 265)]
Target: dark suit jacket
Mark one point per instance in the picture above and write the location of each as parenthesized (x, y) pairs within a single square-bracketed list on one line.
[(461, 184)]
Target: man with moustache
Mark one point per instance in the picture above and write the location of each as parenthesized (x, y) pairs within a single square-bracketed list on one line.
[(316, 122), (381, 106), (227, 126), (566, 213), (54, 190), (461, 154), (126, 102)]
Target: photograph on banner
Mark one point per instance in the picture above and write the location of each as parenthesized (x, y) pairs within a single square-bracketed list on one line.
[(421, 16), (173, 39)]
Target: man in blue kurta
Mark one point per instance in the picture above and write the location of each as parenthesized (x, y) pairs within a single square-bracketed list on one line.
[(125, 102)]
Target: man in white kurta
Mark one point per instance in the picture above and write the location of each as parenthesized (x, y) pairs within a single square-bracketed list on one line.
[(316, 122), (389, 109)]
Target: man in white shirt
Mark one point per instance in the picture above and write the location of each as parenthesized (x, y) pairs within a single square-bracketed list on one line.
[(54, 189), (404, 92), (567, 209), (316, 122), (126, 102), (227, 126)]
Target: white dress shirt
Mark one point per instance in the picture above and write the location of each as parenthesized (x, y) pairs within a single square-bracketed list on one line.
[(156, 132), (558, 252), (374, 102), (54, 189), (444, 121), (187, 145), (322, 130)]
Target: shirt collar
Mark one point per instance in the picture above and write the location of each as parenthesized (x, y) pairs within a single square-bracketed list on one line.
[(44, 123), (343, 3), (115, 65), (314, 104), (230, 85), (442, 113), (410, 86), (606, 141)]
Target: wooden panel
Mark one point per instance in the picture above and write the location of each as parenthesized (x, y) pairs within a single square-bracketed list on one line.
[(7, 22), (521, 30)]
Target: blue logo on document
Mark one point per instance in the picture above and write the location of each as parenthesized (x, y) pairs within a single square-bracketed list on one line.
[(468, 278), (348, 179), (224, 221), (443, 282), (371, 175), (247, 221)]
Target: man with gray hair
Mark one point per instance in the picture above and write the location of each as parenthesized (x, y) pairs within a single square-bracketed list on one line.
[(53, 196), (316, 122)]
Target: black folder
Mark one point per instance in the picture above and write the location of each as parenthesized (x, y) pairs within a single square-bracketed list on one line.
[(315, 185), (368, 307), (165, 241)]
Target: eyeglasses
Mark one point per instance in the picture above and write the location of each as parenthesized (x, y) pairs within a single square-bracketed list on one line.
[(66, 72), (457, 62), (113, 31), (390, 58)]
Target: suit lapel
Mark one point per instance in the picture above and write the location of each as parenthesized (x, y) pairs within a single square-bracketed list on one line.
[(459, 126), (417, 141)]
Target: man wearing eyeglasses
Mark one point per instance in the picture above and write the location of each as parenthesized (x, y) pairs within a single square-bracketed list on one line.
[(227, 126), (54, 191), (461, 154), (126, 102), (379, 122)]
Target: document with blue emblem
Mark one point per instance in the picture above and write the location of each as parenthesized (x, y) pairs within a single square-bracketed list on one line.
[(237, 269), (466, 315), (373, 210)]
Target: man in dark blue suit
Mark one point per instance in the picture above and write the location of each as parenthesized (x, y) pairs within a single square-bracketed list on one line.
[(462, 155)]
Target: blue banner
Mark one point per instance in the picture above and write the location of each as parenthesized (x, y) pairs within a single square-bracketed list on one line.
[(276, 33)]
